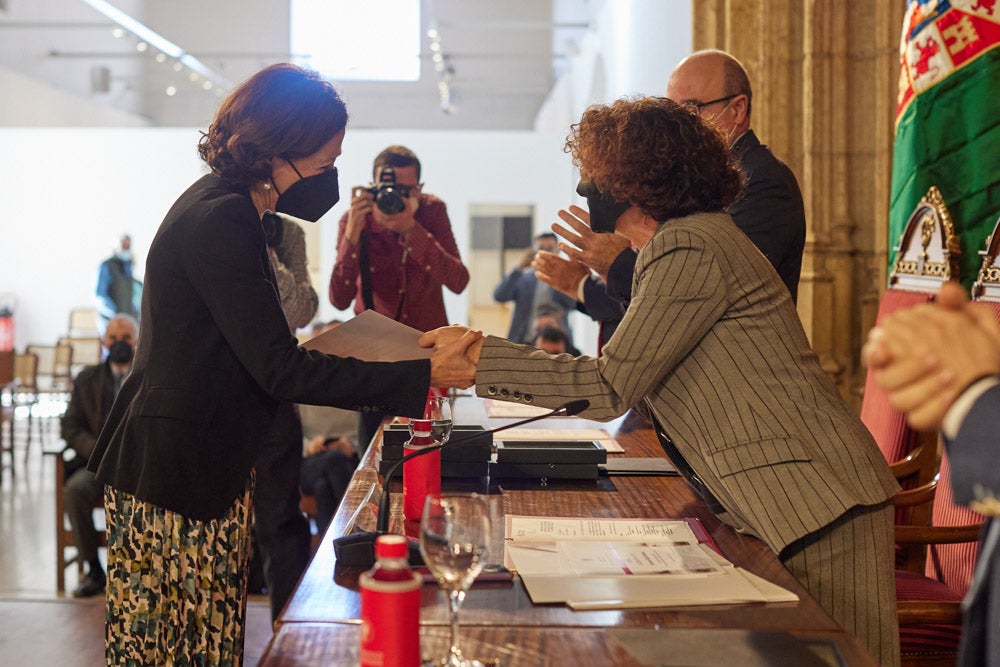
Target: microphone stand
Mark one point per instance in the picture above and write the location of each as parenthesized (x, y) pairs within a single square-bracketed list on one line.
[(358, 549)]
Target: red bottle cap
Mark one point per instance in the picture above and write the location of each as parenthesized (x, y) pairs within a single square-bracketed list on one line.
[(422, 426), (391, 546)]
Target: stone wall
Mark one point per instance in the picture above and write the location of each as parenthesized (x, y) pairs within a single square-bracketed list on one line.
[(824, 76)]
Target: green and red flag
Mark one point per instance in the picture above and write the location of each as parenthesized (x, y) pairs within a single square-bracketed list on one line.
[(948, 120)]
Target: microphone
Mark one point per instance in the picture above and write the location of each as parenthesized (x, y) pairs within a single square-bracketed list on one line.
[(358, 549)]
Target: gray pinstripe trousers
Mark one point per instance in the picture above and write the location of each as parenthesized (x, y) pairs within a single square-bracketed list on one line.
[(848, 567)]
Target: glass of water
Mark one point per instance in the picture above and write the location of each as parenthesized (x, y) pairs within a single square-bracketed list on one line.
[(454, 541)]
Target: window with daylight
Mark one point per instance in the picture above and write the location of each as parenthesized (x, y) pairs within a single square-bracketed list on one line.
[(351, 40)]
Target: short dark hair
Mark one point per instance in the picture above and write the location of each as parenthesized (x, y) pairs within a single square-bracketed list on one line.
[(546, 235), (553, 335), (395, 156), (656, 154), (281, 111)]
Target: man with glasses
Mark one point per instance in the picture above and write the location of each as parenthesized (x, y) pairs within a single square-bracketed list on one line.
[(395, 252), (714, 85)]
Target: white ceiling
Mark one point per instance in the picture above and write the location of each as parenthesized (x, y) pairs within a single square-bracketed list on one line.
[(506, 55)]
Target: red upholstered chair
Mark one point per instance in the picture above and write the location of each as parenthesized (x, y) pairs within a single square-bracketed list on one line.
[(927, 255), (929, 611)]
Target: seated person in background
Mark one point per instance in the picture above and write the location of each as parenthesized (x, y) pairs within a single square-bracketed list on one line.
[(553, 340), (530, 294), (549, 316), (712, 344), (94, 390), (330, 456), (940, 363)]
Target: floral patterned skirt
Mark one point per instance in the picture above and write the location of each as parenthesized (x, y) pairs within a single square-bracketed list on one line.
[(176, 592)]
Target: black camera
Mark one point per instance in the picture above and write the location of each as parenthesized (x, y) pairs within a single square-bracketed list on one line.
[(389, 197)]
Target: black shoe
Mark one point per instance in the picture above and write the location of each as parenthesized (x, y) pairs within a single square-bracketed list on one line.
[(89, 587)]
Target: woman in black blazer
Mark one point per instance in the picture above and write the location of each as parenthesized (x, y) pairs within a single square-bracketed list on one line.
[(214, 359)]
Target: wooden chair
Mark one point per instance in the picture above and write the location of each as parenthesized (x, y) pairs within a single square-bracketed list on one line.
[(86, 352), (927, 255), (929, 595), (21, 393), (83, 323), (53, 382), (64, 536)]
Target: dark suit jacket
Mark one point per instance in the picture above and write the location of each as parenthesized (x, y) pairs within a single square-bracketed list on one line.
[(89, 405), (769, 212), (975, 476), (519, 286), (712, 341), (214, 358)]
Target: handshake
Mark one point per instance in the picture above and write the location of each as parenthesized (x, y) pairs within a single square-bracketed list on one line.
[(455, 357)]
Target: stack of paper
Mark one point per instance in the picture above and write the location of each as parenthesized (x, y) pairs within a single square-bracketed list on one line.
[(617, 563)]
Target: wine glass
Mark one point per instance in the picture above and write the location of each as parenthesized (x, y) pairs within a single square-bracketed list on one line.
[(439, 411), (454, 541)]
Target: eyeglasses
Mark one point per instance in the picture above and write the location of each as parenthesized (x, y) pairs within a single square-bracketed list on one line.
[(699, 106)]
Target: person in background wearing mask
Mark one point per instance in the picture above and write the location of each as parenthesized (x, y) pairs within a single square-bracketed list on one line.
[(94, 389), (529, 294), (117, 291), (215, 360)]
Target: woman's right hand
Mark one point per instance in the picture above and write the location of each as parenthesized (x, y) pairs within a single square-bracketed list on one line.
[(362, 202), (455, 357)]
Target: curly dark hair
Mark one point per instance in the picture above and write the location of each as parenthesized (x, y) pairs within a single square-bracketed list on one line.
[(657, 155), (282, 111)]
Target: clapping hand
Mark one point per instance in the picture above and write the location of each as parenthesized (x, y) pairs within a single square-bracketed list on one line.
[(561, 274), (598, 251)]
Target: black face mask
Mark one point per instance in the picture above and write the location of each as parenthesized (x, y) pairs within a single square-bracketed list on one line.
[(604, 210), (120, 352), (311, 197)]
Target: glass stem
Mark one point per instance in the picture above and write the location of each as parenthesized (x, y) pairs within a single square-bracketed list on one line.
[(455, 599)]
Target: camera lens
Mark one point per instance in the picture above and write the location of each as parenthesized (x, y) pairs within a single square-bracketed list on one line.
[(389, 200)]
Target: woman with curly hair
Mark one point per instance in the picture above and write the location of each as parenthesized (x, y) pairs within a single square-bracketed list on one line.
[(214, 361), (712, 345)]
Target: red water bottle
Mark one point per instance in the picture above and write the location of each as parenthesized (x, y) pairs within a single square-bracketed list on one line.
[(421, 475), (390, 607)]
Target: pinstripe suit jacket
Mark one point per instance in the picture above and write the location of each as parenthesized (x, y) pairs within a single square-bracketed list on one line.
[(713, 341)]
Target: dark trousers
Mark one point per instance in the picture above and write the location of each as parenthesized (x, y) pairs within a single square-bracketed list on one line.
[(80, 494), (326, 476), (282, 530)]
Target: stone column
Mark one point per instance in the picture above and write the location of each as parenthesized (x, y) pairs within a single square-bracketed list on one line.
[(824, 79)]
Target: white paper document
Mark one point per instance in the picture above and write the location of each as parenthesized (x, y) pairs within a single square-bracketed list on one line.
[(632, 558), (496, 409), (620, 563), (370, 336), (551, 529)]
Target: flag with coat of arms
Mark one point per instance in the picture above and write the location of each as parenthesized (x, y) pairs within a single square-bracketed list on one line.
[(948, 120)]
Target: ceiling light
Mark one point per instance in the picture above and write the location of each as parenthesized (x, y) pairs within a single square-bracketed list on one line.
[(141, 47), (118, 33), (161, 57), (171, 91)]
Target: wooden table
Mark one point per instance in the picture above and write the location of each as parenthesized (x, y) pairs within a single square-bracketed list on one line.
[(327, 597)]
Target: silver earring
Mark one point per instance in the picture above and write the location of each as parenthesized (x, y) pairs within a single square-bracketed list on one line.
[(267, 186)]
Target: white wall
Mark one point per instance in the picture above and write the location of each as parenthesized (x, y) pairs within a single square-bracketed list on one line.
[(69, 193), (630, 50)]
